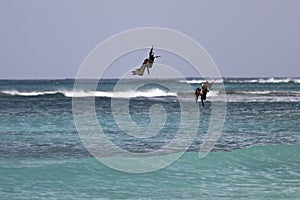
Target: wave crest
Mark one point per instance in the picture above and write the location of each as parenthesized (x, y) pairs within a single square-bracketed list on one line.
[(110, 94), (267, 80), (246, 80)]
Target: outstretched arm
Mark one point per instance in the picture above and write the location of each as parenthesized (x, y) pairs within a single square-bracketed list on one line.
[(151, 51)]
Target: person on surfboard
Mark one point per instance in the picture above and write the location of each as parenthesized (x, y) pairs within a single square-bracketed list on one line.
[(205, 87), (148, 62)]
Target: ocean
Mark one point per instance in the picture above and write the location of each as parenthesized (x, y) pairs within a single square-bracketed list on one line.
[(256, 156)]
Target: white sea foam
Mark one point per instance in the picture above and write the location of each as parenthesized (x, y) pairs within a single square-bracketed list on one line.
[(273, 80), (194, 81), (121, 94), (213, 93), (267, 80), (33, 93), (244, 81), (256, 92)]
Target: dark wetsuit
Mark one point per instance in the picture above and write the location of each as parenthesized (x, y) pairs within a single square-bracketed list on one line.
[(151, 55), (148, 62), (201, 92)]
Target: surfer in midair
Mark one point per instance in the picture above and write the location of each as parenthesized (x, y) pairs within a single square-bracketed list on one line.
[(148, 62), (202, 92)]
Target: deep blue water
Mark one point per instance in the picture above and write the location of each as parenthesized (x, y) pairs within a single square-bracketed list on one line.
[(257, 155)]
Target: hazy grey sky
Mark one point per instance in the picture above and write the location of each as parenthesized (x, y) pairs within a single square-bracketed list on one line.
[(51, 38)]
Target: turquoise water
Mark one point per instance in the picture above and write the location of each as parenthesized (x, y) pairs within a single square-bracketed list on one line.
[(256, 157), (254, 172)]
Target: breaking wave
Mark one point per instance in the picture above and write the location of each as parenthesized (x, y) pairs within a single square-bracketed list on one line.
[(267, 80), (265, 92), (255, 80), (110, 94), (194, 81)]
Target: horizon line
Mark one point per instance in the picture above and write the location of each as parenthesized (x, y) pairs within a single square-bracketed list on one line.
[(147, 78)]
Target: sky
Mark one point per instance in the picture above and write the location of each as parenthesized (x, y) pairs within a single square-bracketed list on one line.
[(49, 39)]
